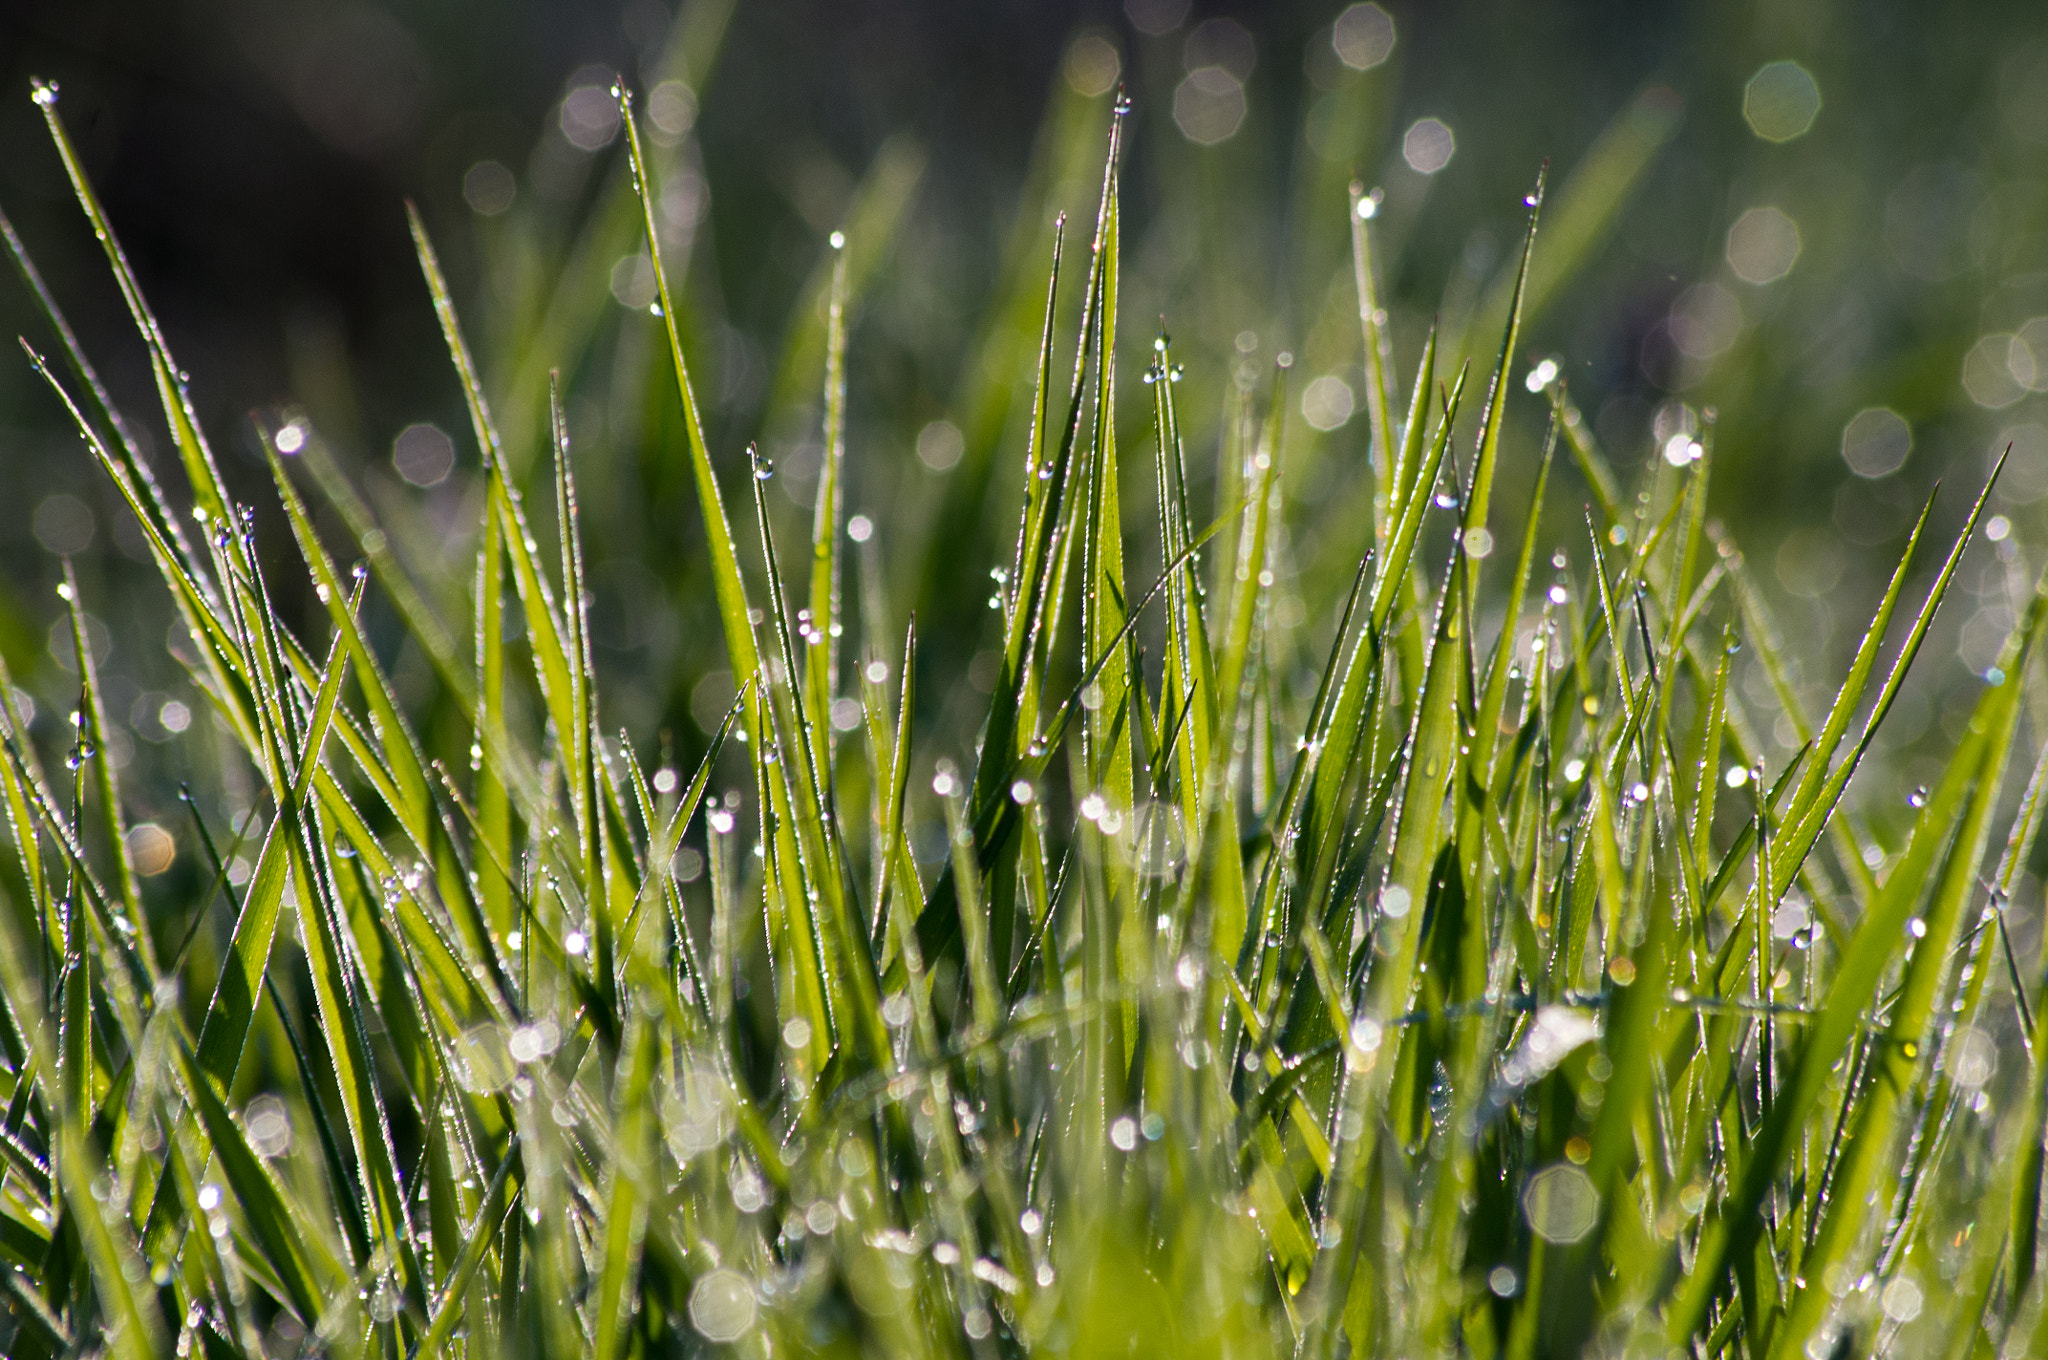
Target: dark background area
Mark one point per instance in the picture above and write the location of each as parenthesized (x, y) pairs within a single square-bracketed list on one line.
[(255, 159)]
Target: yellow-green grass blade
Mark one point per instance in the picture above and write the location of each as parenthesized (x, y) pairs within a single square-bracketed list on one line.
[(1053, 523), (208, 489), (1216, 835), (1380, 376), (821, 660), (309, 1279), (402, 764), (1107, 735), (448, 1311), (727, 583), (813, 848), (1965, 785), (225, 1029), (1478, 496), (574, 709), (96, 754), (1906, 1046), (560, 330), (632, 1176), (495, 886), (1393, 573), (421, 619), (229, 681), (1809, 815)]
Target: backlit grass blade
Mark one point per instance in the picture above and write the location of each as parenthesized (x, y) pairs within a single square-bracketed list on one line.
[(1810, 814), (207, 488), (821, 666), (402, 761), (1907, 1043), (309, 1280), (1251, 575), (95, 753), (1478, 496), (846, 977), (1967, 791), (1380, 378), (1393, 576), (725, 566), (421, 618), (632, 1189), (574, 672), (226, 1026), (1108, 723)]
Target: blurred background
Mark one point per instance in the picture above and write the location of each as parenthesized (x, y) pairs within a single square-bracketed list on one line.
[(1821, 228)]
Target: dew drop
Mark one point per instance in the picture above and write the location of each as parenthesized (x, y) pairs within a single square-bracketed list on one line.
[(1918, 797), (45, 93), (763, 470)]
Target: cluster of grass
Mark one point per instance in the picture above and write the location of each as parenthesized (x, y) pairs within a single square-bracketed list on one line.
[(1497, 998)]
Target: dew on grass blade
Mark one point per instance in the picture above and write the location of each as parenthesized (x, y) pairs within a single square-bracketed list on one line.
[(722, 1305), (1560, 1204)]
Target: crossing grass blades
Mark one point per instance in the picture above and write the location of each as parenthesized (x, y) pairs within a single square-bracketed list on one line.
[(1453, 1015)]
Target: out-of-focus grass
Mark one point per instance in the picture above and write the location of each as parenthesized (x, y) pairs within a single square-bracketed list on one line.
[(1208, 875)]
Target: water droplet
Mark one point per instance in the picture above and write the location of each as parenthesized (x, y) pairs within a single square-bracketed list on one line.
[(654, 309), (1528, 200), (1918, 797), (838, 239), (1446, 500), (45, 93), (1122, 105), (763, 470)]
